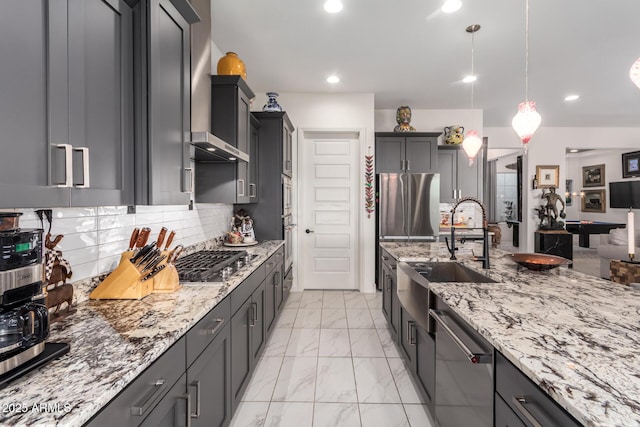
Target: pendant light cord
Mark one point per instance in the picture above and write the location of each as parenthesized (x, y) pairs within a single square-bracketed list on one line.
[(526, 52), (473, 34)]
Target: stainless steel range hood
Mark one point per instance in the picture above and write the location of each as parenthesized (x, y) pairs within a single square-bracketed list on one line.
[(211, 148), (208, 146)]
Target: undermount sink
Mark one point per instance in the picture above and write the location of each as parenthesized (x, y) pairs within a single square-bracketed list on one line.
[(449, 272)]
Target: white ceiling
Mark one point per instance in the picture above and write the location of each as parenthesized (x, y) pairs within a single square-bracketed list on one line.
[(407, 52)]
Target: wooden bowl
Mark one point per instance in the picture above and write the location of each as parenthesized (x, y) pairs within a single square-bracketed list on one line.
[(538, 262)]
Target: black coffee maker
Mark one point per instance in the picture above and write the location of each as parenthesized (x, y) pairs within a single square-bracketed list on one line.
[(24, 318)]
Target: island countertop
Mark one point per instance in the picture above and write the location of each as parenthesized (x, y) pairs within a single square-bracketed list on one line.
[(112, 342), (576, 336)]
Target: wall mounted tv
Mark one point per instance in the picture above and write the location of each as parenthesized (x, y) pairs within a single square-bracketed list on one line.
[(624, 194)]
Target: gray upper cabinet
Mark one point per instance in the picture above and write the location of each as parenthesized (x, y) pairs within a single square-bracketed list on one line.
[(67, 105), (457, 178), (254, 142), (411, 153), (163, 172), (224, 181)]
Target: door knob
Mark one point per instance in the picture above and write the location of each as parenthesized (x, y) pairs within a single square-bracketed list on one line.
[(308, 231)]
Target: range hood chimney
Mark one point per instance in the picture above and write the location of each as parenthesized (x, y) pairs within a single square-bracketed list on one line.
[(208, 146)]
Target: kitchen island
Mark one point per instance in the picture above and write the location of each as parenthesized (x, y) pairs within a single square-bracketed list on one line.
[(576, 336), (112, 342)]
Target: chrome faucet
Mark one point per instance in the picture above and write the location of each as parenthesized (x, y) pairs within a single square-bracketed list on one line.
[(485, 232)]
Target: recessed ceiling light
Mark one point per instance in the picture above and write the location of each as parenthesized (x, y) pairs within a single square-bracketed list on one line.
[(333, 6), (469, 79), (211, 149), (573, 150), (232, 158), (333, 79), (571, 97), (451, 6)]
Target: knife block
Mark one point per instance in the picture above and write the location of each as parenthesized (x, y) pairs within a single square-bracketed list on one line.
[(167, 280), (123, 282)]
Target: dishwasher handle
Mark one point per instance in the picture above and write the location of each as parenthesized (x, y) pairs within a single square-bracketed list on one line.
[(475, 358)]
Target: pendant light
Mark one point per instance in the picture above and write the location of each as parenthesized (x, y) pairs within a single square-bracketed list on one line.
[(634, 73), (472, 142), (527, 120)]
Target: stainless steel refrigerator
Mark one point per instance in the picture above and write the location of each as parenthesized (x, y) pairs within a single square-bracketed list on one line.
[(408, 206)]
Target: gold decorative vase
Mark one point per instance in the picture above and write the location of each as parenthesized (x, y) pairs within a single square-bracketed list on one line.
[(231, 65)]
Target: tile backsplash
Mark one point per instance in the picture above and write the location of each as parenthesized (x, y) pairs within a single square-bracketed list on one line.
[(94, 237)]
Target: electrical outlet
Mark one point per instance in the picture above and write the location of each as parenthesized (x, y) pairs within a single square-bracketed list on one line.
[(131, 209)]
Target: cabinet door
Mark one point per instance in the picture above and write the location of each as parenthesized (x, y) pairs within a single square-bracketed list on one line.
[(407, 338), (447, 167), (287, 151), (172, 409), (269, 302), (169, 177), (101, 101), (390, 154), (395, 302), (278, 278), (258, 324), (209, 383), (240, 352), (470, 179), (254, 141), (421, 155), (426, 365), (386, 291), (242, 183), (33, 105)]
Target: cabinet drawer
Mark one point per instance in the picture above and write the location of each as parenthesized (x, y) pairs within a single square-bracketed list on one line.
[(505, 417), (246, 288), (274, 260), (137, 401), (199, 337), (388, 260), (527, 399)]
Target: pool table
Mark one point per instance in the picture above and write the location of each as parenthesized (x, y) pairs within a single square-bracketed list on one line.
[(585, 229)]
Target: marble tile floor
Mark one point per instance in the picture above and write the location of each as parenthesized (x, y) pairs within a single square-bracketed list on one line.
[(330, 362)]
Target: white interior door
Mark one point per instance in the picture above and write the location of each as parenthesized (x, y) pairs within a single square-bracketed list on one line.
[(329, 202)]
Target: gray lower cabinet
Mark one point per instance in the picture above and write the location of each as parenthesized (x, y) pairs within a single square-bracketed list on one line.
[(457, 178), (400, 153), (274, 289), (425, 366), (163, 167), (518, 398), (407, 338), (173, 409), (164, 381), (66, 112), (209, 383), (247, 341), (390, 301)]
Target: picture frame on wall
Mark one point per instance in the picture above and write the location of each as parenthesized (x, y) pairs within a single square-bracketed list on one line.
[(593, 176), (594, 201), (631, 164), (548, 176)]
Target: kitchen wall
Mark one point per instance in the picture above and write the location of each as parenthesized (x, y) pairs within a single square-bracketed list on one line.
[(548, 147), (94, 237), (613, 173)]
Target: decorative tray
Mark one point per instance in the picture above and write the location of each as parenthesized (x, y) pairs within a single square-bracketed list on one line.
[(239, 245)]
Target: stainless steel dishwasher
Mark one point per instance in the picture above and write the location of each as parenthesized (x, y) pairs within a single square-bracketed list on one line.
[(464, 372)]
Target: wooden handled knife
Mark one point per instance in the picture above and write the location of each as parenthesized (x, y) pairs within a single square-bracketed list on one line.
[(143, 237), (133, 239), (161, 235), (170, 239)]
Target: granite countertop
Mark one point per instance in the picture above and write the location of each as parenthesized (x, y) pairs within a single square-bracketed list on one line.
[(575, 335), (112, 342)]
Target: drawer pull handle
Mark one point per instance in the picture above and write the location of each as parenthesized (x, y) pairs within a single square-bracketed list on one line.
[(212, 331), (473, 357), (196, 414), (187, 398), (410, 327), (149, 397), (519, 402)]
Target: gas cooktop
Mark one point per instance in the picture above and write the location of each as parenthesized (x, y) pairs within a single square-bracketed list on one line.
[(213, 266)]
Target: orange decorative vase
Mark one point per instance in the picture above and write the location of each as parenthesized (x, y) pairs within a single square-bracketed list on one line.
[(231, 65)]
